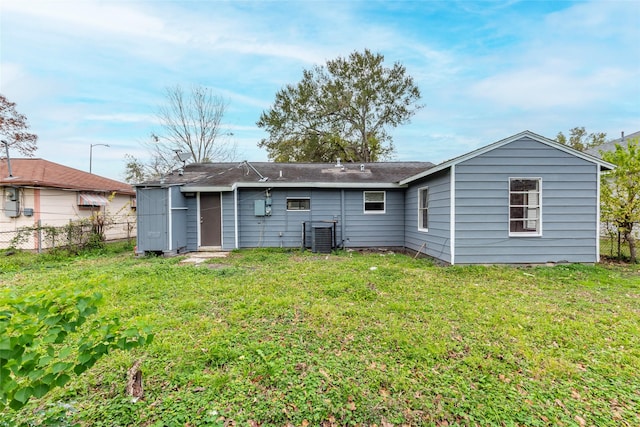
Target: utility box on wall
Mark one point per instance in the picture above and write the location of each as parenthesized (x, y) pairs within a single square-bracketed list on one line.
[(260, 207), (11, 202)]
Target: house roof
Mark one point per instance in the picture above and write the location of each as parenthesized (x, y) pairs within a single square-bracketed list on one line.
[(526, 134), (43, 173), (611, 145), (226, 176)]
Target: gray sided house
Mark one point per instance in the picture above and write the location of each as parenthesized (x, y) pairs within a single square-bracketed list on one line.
[(524, 199)]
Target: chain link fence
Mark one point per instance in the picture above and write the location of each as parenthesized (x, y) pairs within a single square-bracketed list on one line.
[(72, 235), (613, 243), (614, 246)]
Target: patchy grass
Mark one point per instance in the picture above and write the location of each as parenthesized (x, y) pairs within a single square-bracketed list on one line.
[(280, 337)]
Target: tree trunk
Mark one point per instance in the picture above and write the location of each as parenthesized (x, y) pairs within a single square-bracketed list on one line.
[(630, 238), (134, 381)]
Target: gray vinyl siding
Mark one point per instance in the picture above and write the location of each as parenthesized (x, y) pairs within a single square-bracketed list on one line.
[(178, 221), (569, 206), (435, 241), (192, 223), (370, 230), (228, 221), (152, 219), (284, 228), (163, 227)]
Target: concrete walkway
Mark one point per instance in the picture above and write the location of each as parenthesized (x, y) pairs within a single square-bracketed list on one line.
[(200, 257)]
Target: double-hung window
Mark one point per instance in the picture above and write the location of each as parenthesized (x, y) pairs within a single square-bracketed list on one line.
[(374, 202), (423, 209), (525, 209), (298, 204)]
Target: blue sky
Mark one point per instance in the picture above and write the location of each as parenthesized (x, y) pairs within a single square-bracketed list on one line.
[(89, 72)]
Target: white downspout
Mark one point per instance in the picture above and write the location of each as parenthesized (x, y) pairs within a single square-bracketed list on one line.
[(198, 221), (235, 214), (170, 219), (598, 213), (452, 213)]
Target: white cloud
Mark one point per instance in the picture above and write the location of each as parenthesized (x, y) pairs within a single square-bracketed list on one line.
[(95, 19), (536, 88), (122, 118)]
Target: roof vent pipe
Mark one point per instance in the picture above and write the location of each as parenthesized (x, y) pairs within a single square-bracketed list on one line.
[(262, 178), (622, 136), (280, 173), (6, 147), (362, 167), (338, 164)]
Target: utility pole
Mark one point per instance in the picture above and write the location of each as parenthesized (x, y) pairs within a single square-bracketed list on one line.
[(91, 154), (6, 147)]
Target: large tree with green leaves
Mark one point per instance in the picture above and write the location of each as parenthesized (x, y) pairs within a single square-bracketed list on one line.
[(620, 199), (342, 109), (580, 140)]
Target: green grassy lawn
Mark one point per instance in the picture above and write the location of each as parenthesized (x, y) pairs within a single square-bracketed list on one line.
[(271, 337)]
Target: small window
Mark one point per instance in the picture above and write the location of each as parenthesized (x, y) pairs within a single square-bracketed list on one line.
[(299, 204), (423, 208), (525, 207), (374, 202)]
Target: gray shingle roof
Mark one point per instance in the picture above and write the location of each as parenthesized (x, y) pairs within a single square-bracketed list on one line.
[(611, 145), (223, 175)]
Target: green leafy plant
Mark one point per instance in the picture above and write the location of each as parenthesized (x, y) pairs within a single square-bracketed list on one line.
[(45, 337)]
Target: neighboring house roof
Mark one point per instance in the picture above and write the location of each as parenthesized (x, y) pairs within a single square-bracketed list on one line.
[(611, 145), (226, 176), (43, 173), (528, 134)]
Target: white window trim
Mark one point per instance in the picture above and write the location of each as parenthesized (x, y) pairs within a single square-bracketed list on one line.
[(420, 209), (384, 203), (522, 233), (298, 198)]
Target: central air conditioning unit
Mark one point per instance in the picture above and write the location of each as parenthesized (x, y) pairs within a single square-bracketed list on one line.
[(321, 240)]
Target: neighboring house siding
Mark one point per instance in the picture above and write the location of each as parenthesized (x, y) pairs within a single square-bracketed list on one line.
[(569, 200), (374, 229), (57, 208), (9, 226), (436, 240)]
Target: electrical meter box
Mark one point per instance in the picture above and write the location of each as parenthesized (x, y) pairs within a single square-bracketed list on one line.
[(11, 202), (260, 207)]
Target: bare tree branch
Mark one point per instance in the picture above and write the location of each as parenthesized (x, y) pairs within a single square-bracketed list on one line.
[(14, 128)]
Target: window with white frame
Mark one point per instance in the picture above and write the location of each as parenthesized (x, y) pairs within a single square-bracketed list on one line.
[(374, 201), (525, 206), (423, 208), (298, 204)]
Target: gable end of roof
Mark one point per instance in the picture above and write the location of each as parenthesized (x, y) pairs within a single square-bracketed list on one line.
[(525, 134)]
